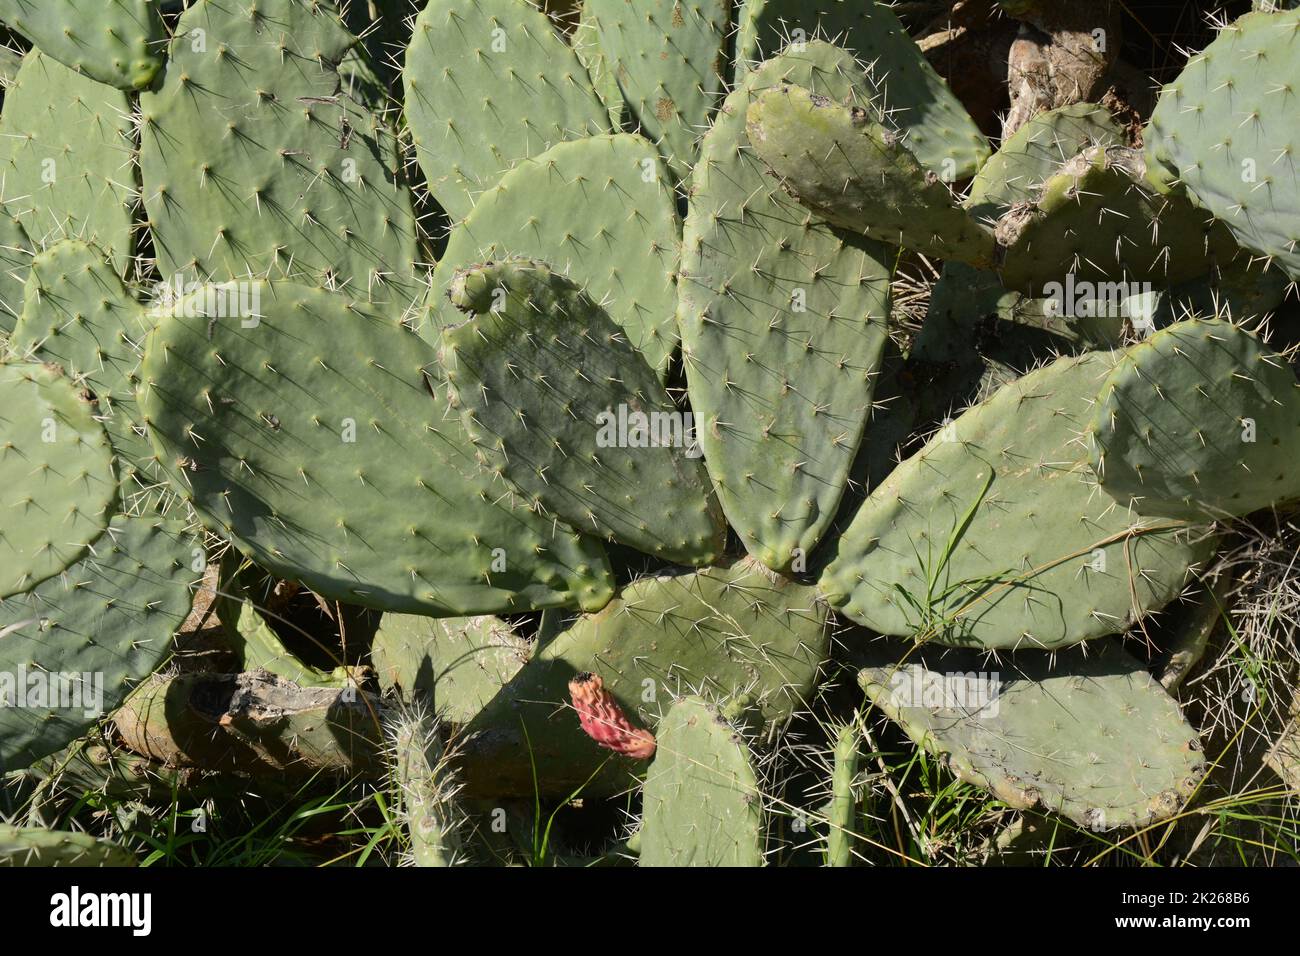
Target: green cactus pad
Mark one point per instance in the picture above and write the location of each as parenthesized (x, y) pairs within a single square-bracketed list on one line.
[(1095, 219), (1200, 419), (843, 810), (309, 434), (118, 42), (66, 157), (57, 483), (599, 210), (15, 262), (29, 846), (78, 314), (110, 618), (669, 60), (783, 323), (845, 165), (424, 788), (488, 83), (738, 632), (256, 163), (586, 44), (1090, 735), (1016, 172), (701, 801), (1225, 129), (939, 132), (996, 534), (549, 392), (456, 664)]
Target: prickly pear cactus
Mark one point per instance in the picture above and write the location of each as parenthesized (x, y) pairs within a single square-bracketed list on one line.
[(843, 162), (938, 130), (78, 314), (297, 180), (702, 803), (964, 543), (57, 482), (31, 846), (91, 635), (339, 466), (783, 325), (669, 60), (118, 42), (546, 384), (67, 154), (1225, 130), (622, 250), (490, 83), (1092, 736), (1201, 420)]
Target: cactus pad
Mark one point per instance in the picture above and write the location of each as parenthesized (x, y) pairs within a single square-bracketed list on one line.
[(67, 158), (488, 83), (1225, 128), (544, 380), (842, 162), (118, 42), (308, 433), (57, 483), (30, 846), (996, 534), (78, 314), (1091, 735), (622, 248), (1200, 419), (256, 163), (702, 805), (783, 323), (109, 619), (668, 57), (938, 130)]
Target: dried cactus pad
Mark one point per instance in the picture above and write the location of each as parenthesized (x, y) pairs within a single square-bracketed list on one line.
[(1226, 129), (308, 431), (1200, 419), (118, 42), (997, 535), (1090, 735), (57, 482), (702, 804)]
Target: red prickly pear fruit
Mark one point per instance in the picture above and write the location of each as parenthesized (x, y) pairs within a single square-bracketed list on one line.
[(604, 721)]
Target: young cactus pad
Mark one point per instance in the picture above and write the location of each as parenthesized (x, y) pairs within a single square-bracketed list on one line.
[(846, 165), (702, 804), (545, 380), (997, 535), (306, 429), (1200, 420)]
